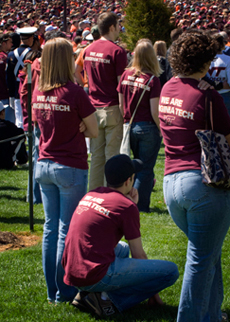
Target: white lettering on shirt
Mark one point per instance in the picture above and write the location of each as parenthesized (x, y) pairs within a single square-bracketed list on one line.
[(100, 209), (164, 100), (99, 60), (173, 108), (85, 203), (94, 203), (97, 200), (53, 107), (50, 99), (135, 84)]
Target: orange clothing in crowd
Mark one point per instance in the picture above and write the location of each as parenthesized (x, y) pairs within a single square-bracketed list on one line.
[(73, 28), (80, 62)]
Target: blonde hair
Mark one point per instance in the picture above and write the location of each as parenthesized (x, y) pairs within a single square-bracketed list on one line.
[(57, 65), (145, 59), (160, 48)]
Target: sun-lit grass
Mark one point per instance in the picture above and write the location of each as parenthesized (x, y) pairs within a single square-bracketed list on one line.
[(22, 284)]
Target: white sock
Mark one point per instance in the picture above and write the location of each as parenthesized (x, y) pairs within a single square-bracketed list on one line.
[(104, 296)]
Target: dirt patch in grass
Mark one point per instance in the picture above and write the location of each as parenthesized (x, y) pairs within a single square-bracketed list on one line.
[(10, 240)]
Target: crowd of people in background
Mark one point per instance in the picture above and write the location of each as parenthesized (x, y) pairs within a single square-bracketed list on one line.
[(86, 84), (46, 15)]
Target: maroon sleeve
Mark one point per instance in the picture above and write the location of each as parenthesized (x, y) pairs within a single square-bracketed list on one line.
[(119, 86), (121, 61), (155, 89), (85, 108), (131, 223)]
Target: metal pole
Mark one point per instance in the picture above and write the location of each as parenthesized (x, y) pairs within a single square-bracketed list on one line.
[(65, 26), (30, 148)]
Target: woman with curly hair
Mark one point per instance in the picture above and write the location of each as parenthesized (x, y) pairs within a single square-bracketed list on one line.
[(201, 212)]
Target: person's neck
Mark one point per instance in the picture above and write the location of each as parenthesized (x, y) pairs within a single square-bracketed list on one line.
[(196, 76), (108, 37), (123, 189)]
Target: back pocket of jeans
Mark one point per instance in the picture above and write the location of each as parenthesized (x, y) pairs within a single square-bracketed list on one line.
[(65, 176), (192, 187)]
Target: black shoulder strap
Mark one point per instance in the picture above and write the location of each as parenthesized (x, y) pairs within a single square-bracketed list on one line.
[(208, 110)]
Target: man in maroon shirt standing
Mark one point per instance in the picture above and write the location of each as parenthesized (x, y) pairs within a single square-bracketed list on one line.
[(97, 262), (5, 47), (104, 62)]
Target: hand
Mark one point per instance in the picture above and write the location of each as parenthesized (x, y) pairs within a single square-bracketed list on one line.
[(225, 85), (133, 195), (82, 127), (203, 85)]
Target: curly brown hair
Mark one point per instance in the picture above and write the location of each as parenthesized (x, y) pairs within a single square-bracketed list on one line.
[(191, 51)]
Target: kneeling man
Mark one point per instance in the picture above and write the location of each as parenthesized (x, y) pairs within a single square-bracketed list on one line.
[(97, 262)]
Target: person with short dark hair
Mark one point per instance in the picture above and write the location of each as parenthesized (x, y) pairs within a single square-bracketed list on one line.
[(97, 262), (200, 211), (104, 62)]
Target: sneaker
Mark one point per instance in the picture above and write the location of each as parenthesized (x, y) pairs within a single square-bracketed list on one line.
[(78, 300), (101, 307), (224, 317)]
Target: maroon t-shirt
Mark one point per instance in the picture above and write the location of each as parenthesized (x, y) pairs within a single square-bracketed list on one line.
[(181, 113), (4, 93), (100, 220), (104, 61), (59, 113), (132, 87)]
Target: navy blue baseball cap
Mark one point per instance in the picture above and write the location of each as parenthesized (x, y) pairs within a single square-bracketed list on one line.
[(120, 167)]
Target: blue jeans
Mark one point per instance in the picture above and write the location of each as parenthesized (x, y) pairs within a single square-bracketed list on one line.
[(145, 143), (62, 188), (35, 154), (10, 114), (203, 214), (130, 281)]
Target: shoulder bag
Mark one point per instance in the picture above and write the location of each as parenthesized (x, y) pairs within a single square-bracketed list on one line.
[(215, 152)]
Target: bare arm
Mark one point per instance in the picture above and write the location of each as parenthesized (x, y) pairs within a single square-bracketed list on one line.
[(78, 75), (154, 102), (136, 248), (228, 139), (120, 96), (91, 126)]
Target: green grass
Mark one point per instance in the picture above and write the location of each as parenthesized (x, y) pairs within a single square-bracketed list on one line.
[(22, 284)]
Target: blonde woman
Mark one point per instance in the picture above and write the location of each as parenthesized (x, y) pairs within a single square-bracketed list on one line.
[(145, 134), (65, 116), (161, 50)]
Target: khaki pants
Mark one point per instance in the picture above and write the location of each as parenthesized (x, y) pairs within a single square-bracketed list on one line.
[(107, 144)]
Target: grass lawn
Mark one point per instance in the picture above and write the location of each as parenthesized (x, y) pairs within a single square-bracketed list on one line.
[(22, 284)]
